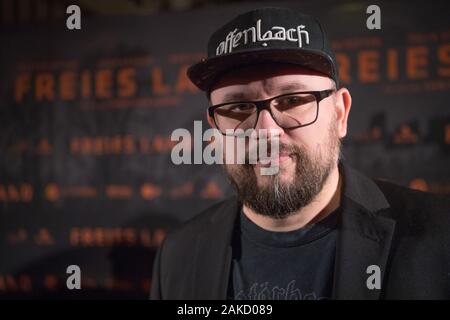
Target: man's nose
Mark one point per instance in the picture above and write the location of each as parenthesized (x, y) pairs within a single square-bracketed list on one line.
[(266, 121)]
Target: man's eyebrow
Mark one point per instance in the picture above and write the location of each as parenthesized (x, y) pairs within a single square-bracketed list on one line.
[(277, 89), (235, 96), (288, 87)]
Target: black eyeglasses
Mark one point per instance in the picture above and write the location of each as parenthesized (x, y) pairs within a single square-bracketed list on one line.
[(289, 111)]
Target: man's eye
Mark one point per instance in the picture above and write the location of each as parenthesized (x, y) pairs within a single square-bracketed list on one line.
[(290, 101), (241, 108)]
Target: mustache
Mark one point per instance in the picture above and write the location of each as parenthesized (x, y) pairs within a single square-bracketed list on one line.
[(283, 148)]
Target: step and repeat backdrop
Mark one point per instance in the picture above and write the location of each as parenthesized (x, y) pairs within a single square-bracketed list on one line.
[(86, 116)]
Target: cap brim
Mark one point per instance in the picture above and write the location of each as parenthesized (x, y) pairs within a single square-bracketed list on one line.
[(205, 73)]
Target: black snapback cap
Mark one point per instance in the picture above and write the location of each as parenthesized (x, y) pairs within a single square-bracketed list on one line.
[(266, 35)]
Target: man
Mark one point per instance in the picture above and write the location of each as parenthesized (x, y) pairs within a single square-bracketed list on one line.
[(317, 229)]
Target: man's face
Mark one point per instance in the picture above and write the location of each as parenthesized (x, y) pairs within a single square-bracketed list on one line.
[(307, 155)]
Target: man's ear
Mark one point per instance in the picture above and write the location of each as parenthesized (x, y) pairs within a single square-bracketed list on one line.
[(210, 120), (343, 106)]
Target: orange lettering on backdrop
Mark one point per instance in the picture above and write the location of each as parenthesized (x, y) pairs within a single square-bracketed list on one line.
[(159, 235), (26, 190), (13, 193), (87, 237), (128, 144), (344, 67), (14, 283), (144, 145), (392, 64), (116, 145), (129, 236), (43, 237), (126, 79), (444, 57), (368, 66), (22, 86), (67, 84), (74, 237), (158, 85), (85, 84), (86, 145), (74, 146), (150, 191), (23, 193), (45, 87), (98, 145), (99, 236), (447, 134), (103, 84), (416, 62)]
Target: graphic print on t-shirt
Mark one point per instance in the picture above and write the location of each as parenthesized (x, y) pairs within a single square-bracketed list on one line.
[(294, 265)]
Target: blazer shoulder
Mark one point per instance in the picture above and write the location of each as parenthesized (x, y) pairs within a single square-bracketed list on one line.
[(403, 196), (187, 231), (418, 209)]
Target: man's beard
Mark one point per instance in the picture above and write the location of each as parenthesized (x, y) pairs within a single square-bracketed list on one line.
[(278, 199)]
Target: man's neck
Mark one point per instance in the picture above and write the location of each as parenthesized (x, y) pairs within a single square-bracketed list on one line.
[(328, 200)]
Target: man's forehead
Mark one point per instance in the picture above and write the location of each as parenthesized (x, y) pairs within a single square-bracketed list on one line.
[(273, 79), (238, 92)]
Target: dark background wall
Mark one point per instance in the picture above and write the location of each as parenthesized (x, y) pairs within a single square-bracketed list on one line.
[(86, 118)]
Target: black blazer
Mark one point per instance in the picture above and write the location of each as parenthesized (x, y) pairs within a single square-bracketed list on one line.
[(404, 232)]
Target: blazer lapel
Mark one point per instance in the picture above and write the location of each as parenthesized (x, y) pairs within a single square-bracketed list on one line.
[(213, 254), (364, 240)]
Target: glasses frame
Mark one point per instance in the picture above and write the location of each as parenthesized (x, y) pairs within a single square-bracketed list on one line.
[(265, 105)]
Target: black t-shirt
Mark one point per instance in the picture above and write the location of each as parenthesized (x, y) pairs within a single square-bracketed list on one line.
[(293, 265)]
